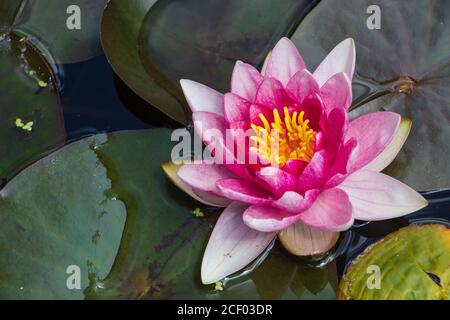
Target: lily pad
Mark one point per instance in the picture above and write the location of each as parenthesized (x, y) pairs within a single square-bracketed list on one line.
[(403, 67), (164, 241), (46, 24), (32, 121), (153, 44), (70, 208), (413, 263), (55, 217)]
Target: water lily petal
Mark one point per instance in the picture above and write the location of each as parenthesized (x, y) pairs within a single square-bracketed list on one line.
[(276, 180), (171, 171), (245, 80), (314, 174), (203, 176), (245, 191), (332, 211), (302, 240), (374, 132), (209, 126), (268, 219), (255, 110), (314, 111), (201, 97), (376, 196), (337, 124), (232, 245), (271, 93), (341, 166), (340, 59), (266, 62), (337, 92), (236, 108), (233, 157), (391, 151), (284, 62), (230, 157), (320, 141), (295, 167), (293, 202), (301, 85)]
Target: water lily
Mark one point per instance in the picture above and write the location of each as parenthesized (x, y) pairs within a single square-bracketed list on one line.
[(325, 172)]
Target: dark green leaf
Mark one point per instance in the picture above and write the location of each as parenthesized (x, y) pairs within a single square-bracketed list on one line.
[(28, 91), (152, 46), (69, 209), (56, 214), (44, 23), (406, 64), (121, 24)]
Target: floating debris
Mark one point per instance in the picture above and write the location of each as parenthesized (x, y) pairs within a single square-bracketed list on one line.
[(218, 286), (19, 123), (198, 213), (28, 126), (42, 83)]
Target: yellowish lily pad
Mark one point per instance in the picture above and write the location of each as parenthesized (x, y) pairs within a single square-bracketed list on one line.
[(410, 264)]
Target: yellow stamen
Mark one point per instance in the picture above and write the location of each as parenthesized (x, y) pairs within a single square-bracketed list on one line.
[(281, 141)]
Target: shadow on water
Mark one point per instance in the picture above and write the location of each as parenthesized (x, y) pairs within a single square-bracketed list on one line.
[(96, 100)]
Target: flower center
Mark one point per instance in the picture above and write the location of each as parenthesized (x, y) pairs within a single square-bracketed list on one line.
[(280, 141)]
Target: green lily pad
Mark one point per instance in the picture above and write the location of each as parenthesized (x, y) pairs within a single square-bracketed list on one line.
[(413, 264), (163, 240), (403, 67), (121, 24), (54, 215), (32, 121), (8, 10), (152, 45), (70, 207), (46, 24)]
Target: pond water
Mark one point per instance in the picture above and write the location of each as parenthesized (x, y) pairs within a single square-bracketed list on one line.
[(95, 100)]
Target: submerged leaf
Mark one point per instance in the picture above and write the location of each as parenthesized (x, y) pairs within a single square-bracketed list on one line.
[(282, 276)]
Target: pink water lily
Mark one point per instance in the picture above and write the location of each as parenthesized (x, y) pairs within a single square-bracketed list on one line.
[(325, 172)]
